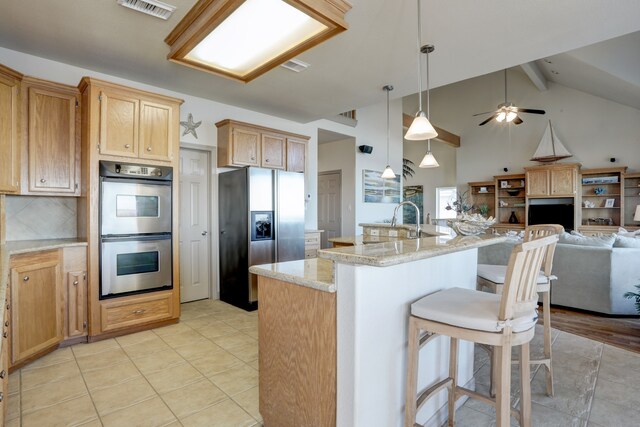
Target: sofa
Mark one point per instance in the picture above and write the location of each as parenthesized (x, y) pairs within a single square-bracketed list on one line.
[(593, 272)]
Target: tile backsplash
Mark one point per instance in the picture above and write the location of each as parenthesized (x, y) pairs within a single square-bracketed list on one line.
[(37, 217)]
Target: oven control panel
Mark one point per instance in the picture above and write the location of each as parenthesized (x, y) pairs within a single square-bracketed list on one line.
[(128, 170)]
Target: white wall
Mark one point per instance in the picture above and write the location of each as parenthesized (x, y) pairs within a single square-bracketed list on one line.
[(593, 129), (341, 156)]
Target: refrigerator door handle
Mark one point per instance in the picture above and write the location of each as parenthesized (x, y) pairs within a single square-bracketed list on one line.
[(276, 214)]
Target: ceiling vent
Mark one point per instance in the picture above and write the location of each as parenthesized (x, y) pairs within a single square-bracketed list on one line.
[(150, 7), (295, 65)]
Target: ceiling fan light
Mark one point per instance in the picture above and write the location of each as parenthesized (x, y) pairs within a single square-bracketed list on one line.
[(501, 116), (510, 116), (420, 129), (429, 161), (388, 173)]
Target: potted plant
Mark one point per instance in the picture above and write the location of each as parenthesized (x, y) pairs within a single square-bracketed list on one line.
[(483, 209), (461, 204)]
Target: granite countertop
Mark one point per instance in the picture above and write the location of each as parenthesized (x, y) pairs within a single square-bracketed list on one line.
[(22, 247), (312, 273), (364, 239), (427, 228), (401, 251)]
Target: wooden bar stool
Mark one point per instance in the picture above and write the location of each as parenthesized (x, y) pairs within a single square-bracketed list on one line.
[(501, 321), (492, 278)]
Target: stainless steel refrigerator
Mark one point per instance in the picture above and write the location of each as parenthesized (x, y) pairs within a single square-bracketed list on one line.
[(261, 221)]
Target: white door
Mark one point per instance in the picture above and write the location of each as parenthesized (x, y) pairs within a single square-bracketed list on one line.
[(195, 232), (329, 206)]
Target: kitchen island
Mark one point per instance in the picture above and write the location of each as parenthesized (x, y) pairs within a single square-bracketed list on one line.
[(333, 331)]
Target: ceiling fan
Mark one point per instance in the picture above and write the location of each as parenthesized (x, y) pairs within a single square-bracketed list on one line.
[(507, 111)]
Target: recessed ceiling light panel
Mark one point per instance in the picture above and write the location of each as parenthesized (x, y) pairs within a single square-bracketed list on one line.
[(242, 39)]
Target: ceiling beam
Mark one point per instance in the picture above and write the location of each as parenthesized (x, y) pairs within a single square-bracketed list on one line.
[(443, 135), (535, 75)]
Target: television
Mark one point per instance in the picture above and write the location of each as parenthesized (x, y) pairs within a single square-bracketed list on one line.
[(552, 211)]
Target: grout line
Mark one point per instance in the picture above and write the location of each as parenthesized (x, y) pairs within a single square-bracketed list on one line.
[(595, 385), (87, 387)]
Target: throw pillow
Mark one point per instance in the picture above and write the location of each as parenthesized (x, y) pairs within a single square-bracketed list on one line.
[(626, 242), (623, 232), (599, 241)]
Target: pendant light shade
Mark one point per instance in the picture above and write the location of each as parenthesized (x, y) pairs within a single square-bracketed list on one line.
[(388, 172), (421, 128), (428, 161)]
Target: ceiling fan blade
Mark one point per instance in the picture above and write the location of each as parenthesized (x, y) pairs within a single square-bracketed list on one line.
[(530, 110), (488, 120), (516, 121), (486, 112)]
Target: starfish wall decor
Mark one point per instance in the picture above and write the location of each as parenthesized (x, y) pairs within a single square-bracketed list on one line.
[(190, 126)]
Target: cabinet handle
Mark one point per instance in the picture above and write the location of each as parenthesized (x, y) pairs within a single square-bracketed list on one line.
[(42, 180), (140, 311), (75, 283), (1, 396), (5, 334), (127, 145), (25, 278), (6, 323), (148, 148), (253, 158), (8, 306), (266, 160), (3, 374)]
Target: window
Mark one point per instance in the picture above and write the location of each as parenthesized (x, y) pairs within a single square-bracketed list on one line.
[(445, 196)]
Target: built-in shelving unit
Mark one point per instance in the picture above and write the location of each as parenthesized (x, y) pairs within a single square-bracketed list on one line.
[(602, 203), (510, 198), (631, 199), (483, 193)]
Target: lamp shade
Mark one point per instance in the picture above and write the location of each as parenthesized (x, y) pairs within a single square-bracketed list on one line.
[(636, 217), (420, 129), (428, 161), (388, 173)]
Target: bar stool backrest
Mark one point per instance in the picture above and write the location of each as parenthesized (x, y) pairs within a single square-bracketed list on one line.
[(519, 294), (541, 230)]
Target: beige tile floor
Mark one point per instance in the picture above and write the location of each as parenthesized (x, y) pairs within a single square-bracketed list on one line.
[(200, 372), (204, 372)]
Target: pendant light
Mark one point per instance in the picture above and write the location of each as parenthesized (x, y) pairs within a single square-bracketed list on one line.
[(388, 172), (428, 161), (420, 128)]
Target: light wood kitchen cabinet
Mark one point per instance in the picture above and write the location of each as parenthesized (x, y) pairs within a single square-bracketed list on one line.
[(134, 311), (243, 144), (552, 180), (4, 361), (51, 128), (36, 304), (75, 301), (312, 240), (132, 123), (273, 151), (9, 130), (296, 153)]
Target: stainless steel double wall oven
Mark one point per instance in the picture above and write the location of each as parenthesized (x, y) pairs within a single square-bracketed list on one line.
[(135, 228)]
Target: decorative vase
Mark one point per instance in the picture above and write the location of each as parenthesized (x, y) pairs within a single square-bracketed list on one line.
[(513, 219)]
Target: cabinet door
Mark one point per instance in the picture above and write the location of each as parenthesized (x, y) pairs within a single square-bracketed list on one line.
[(563, 182), (273, 151), (119, 127), (52, 140), (244, 147), (295, 155), (538, 182), (36, 308), (156, 131), (9, 143), (76, 303)]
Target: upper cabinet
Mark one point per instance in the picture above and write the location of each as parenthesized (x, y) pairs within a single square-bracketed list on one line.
[(132, 123), (51, 138), (552, 180), (243, 144), (9, 130)]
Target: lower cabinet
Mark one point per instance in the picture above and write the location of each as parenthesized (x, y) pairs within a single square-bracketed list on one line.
[(36, 304), (133, 312), (75, 277), (4, 362)]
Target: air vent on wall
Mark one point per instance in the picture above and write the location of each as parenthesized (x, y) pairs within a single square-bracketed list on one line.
[(295, 65), (150, 7)]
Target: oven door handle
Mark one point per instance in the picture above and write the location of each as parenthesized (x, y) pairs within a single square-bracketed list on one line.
[(136, 237), (136, 181)]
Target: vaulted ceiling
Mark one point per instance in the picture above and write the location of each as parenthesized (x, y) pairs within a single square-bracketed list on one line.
[(471, 37)]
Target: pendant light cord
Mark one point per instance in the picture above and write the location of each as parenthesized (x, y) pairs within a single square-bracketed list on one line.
[(428, 100), (419, 60), (387, 88)]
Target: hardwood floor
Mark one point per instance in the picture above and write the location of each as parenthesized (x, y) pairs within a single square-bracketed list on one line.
[(618, 332)]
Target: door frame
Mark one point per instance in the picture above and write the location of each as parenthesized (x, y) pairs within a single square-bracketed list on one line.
[(332, 172), (212, 213)]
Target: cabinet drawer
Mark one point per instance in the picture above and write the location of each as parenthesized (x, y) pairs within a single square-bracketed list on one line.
[(122, 314), (312, 253)]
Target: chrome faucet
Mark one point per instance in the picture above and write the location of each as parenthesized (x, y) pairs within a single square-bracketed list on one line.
[(395, 213)]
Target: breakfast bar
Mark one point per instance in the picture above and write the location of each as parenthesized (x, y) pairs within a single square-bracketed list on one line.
[(333, 330)]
